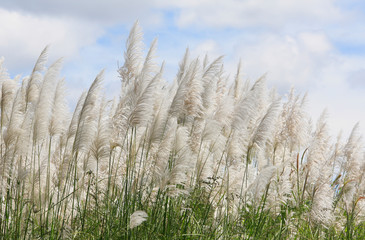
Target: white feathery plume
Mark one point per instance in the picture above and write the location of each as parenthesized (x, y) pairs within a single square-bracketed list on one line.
[(75, 117), (196, 134), (306, 121), (281, 186), (11, 134), (34, 88), (136, 106), (247, 85), (277, 146), (224, 111), (296, 125), (137, 218), (234, 183), (210, 71), (248, 107), (183, 67), (41, 61), (221, 85), (3, 75), (319, 168), (205, 164), (142, 109), (212, 134), (219, 151), (59, 110), (205, 61), (170, 92), (349, 194), (318, 154), (86, 126), (121, 117), (193, 105), (360, 210), (212, 130), (148, 73), (113, 107), (237, 146), (8, 90), (160, 121), (338, 165), (149, 68), (246, 111), (35, 79), (218, 147), (337, 155), (133, 56), (179, 89), (15, 119), (353, 154), (24, 84), (177, 103), (212, 148), (45, 101), (3, 71), (11, 143), (163, 153), (322, 205), (24, 120), (264, 131), (237, 87), (210, 86), (258, 187), (182, 162), (60, 163), (100, 147)]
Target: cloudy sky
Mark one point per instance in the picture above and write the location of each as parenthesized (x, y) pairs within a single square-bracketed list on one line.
[(317, 46)]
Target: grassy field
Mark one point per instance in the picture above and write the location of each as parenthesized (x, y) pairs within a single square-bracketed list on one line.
[(201, 156)]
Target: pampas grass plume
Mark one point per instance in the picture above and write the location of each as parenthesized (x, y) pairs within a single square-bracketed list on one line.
[(137, 218)]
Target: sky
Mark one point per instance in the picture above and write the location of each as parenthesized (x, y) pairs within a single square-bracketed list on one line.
[(315, 46)]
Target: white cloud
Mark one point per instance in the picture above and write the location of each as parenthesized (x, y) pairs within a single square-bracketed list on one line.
[(24, 36), (105, 12), (357, 79), (209, 47), (296, 60), (345, 107), (317, 43), (256, 13)]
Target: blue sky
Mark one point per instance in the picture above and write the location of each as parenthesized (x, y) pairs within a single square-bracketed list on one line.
[(317, 46)]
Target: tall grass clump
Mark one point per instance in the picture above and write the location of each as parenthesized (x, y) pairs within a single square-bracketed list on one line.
[(200, 157)]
